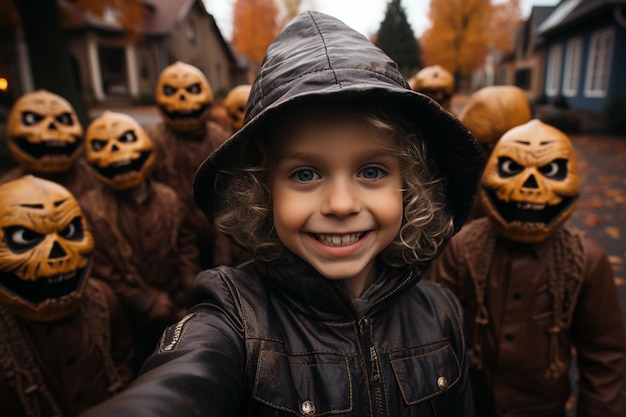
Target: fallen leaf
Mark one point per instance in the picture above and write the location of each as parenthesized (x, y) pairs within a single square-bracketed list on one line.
[(619, 281), (613, 232), (592, 220)]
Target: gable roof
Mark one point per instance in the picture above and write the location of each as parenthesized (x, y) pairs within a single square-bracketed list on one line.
[(570, 12)]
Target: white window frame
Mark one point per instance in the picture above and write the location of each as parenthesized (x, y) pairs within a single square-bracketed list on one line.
[(573, 59), (555, 62), (599, 63)]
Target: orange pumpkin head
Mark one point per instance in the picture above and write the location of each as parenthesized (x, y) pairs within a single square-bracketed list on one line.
[(436, 82), (530, 183), (43, 133), (184, 97), (118, 150), (491, 111), (45, 249), (235, 104)]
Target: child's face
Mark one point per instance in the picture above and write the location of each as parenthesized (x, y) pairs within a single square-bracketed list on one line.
[(336, 195)]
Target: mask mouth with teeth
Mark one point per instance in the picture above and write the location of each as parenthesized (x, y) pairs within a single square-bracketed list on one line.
[(45, 250), (43, 132), (184, 97), (118, 150), (530, 184)]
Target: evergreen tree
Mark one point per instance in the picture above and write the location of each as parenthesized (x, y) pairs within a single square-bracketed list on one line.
[(396, 38)]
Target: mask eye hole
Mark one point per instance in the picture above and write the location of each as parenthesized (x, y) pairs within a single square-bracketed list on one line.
[(65, 119), (20, 239), (98, 144), (128, 137), (30, 118), (556, 169), (194, 88), (74, 230), (507, 167), (168, 90)]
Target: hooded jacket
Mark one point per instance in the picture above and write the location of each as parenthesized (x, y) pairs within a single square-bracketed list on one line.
[(279, 339)]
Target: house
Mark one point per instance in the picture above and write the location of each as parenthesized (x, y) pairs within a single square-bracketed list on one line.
[(524, 66), (585, 45), (114, 69), (111, 68)]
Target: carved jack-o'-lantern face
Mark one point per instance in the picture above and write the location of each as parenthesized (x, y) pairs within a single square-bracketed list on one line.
[(436, 82), (492, 111), (184, 97), (45, 249), (118, 150), (43, 133), (235, 104), (530, 184)]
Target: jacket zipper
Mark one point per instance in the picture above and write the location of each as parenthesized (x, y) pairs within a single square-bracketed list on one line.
[(375, 377)]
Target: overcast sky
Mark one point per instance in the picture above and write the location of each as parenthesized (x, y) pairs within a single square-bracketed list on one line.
[(362, 15)]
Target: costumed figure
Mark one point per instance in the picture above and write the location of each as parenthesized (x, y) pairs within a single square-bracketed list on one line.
[(235, 102), (136, 223), (489, 114), (64, 340), (534, 288), (182, 140), (45, 137), (342, 186), (436, 82)]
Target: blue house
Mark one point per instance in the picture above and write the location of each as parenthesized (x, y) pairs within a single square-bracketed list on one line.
[(585, 46)]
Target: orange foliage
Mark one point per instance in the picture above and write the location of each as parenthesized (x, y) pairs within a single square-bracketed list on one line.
[(505, 21), (255, 25), (458, 38), (130, 14)]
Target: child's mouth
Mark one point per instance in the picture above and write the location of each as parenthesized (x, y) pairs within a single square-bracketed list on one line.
[(339, 240)]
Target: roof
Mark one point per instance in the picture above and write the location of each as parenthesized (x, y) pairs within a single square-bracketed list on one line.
[(569, 12), (166, 14)]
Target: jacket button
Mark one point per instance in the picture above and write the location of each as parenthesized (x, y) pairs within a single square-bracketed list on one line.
[(308, 408), (442, 382)]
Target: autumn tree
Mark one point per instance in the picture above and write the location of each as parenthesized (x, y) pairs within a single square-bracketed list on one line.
[(255, 25), (458, 37), (505, 20), (396, 37)]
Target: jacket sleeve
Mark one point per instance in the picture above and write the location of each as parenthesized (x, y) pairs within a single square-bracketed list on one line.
[(598, 333), (198, 368)]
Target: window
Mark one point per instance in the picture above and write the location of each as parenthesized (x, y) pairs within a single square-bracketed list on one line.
[(598, 64), (573, 55), (554, 70), (523, 78)]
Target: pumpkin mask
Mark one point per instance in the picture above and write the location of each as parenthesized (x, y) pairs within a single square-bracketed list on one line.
[(45, 250), (436, 82), (118, 150), (184, 97), (235, 103), (530, 183), (492, 111), (43, 133)]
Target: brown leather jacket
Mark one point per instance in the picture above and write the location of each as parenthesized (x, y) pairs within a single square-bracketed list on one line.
[(541, 301), (64, 367)]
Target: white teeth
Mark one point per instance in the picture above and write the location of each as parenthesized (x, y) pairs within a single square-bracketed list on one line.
[(530, 206), (339, 240), (118, 164), (60, 278)]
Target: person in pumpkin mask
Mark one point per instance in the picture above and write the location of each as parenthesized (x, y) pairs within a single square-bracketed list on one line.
[(489, 114), (136, 222), (64, 339), (341, 184), (436, 82), (182, 139), (534, 287), (45, 138)]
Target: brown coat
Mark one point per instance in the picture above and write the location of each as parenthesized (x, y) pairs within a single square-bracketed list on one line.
[(64, 367), (78, 180), (178, 156), (521, 345), (137, 246)]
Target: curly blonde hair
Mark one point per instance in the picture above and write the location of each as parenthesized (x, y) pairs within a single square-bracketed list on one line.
[(244, 211)]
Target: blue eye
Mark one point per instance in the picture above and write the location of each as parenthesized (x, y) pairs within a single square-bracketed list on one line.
[(305, 175), (372, 173)]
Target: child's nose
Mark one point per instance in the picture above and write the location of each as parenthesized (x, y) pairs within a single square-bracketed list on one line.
[(341, 199)]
